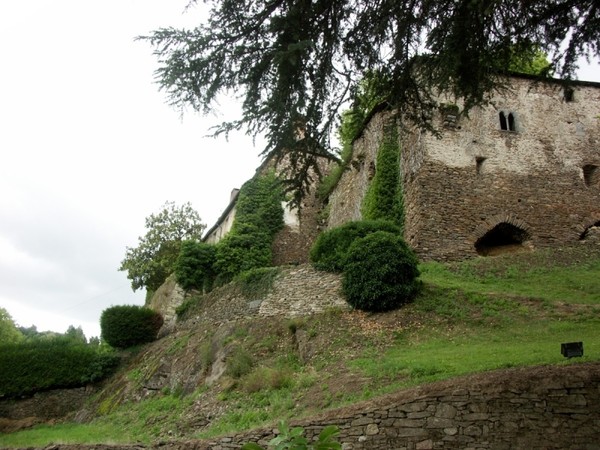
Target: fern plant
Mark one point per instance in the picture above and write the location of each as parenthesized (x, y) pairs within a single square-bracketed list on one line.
[(294, 439)]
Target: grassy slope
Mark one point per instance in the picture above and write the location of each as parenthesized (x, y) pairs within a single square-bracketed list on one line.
[(474, 316)]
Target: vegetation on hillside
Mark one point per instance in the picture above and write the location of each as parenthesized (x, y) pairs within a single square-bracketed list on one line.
[(150, 263), (474, 316)]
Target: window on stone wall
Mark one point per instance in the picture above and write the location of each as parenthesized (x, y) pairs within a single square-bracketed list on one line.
[(503, 238), (591, 175), (569, 94), (507, 121), (479, 160), (503, 123)]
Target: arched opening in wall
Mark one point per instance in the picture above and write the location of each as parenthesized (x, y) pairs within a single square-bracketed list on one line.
[(591, 175), (591, 232), (503, 238), (511, 122), (503, 123)]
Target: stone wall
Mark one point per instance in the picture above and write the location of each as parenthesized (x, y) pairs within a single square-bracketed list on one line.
[(42, 407), (476, 176), (550, 407), (297, 291), (346, 200), (543, 178)]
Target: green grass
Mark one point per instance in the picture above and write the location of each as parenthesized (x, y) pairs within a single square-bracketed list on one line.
[(471, 317), (451, 352), (579, 284)]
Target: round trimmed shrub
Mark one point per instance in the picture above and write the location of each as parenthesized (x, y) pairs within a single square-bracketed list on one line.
[(127, 325), (380, 273), (330, 250)]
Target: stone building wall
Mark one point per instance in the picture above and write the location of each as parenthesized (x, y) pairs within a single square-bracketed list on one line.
[(346, 200), (542, 179)]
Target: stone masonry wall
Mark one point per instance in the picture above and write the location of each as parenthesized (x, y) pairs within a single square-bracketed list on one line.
[(476, 176), (544, 177), (551, 407), (297, 291)]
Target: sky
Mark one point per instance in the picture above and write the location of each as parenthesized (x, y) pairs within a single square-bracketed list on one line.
[(89, 148)]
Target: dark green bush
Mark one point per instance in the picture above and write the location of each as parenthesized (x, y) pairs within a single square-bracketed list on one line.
[(245, 249), (194, 268), (380, 273), (127, 325), (331, 247), (60, 362)]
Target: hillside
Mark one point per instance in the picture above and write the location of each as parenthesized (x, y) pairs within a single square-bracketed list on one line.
[(216, 375)]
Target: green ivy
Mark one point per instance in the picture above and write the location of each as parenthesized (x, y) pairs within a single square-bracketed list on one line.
[(383, 200), (258, 217)]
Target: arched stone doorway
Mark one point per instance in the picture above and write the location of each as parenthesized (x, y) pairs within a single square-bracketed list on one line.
[(502, 238)]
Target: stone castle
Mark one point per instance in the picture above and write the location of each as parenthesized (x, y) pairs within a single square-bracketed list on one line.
[(523, 172)]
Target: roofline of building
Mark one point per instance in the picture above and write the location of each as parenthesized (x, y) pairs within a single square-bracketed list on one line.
[(223, 215)]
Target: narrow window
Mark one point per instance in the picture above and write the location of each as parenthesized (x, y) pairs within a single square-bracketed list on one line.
[(503, 125), (591, 175), (479, 160), (511, 122), (569, 94)]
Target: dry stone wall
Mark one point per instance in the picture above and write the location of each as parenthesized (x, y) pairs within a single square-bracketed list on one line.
[(552, 407), (297, 291)]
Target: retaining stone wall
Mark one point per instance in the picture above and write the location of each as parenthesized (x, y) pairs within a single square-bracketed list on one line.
[(297, 291), (550, 407)]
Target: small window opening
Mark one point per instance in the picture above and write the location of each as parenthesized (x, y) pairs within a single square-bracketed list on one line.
[(511, 122), (503, 123), (507, 122), (503, 238), (479, 160), (569, 94), (591, 175)]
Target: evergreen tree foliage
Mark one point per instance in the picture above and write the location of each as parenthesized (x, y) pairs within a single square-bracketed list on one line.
[(125, 326), (380, 273), (294, 64), (150, 263)]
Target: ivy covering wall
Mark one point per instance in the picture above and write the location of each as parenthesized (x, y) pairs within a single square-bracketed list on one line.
[(383, 200)]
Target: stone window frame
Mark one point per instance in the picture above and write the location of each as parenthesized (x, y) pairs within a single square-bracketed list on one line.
[(508, 121)]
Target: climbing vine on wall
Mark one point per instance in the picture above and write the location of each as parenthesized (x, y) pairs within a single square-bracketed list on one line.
[(258, 217), (383, 199)]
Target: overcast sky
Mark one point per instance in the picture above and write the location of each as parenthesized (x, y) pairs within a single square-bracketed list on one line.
[(88, 149)]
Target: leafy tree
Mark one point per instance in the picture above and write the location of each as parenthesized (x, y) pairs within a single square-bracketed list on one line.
[(383, 200), (9, 333), (531, 61), (294, 64), (76, 334), (150, 263)]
